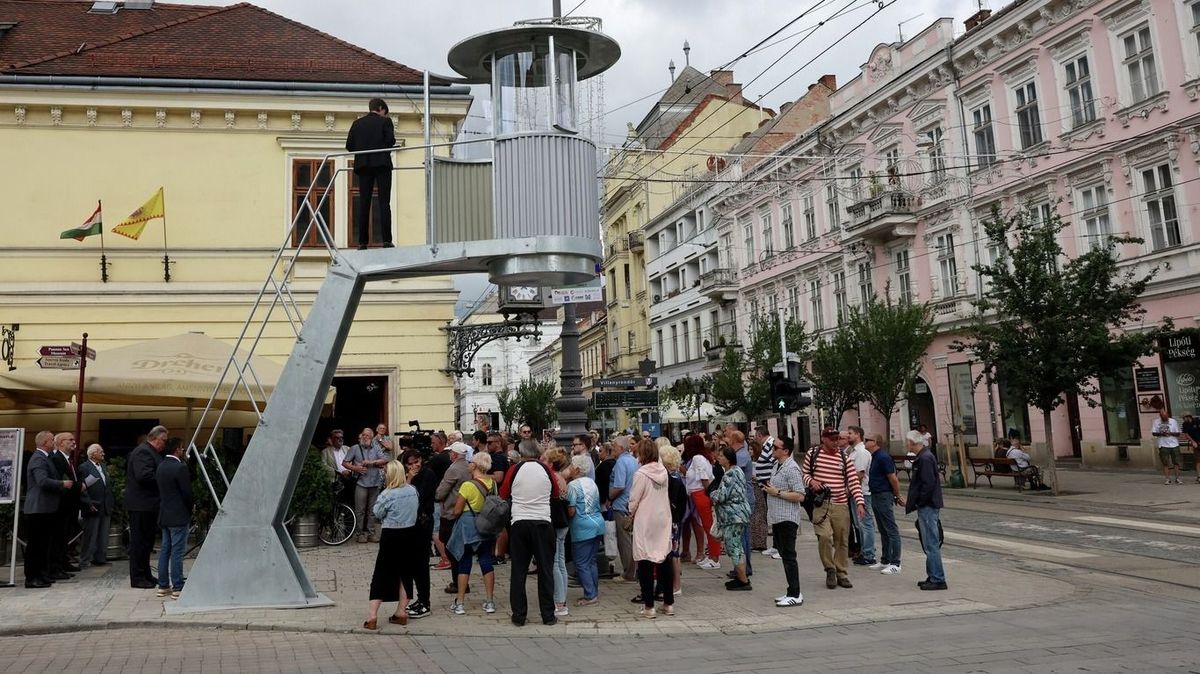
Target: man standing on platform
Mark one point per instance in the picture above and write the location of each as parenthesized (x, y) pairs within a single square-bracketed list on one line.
[(373, 170), (96, 499), (141, 500)]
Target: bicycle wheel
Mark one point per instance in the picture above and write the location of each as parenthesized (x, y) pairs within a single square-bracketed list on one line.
[(338, 526)]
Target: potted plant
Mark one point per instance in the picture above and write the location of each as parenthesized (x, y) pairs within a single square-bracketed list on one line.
[(311, 499)]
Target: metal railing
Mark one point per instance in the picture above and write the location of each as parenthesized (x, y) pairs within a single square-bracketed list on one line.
[(885, 203)]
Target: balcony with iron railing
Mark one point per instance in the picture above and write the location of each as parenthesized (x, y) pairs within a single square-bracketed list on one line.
[(886, 215), (719, 284), (719, 338), (636, 241)]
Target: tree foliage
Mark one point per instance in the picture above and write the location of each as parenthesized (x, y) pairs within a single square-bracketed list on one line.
[(833, 370), (1051, 328), (890, 339), (506, 400), (742, 383), (688, 394), (536, 404)]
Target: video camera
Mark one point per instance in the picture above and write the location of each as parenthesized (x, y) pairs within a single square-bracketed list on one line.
[(416, 439)]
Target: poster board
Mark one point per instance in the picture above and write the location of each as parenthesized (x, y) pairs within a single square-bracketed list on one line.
[(11, 442)]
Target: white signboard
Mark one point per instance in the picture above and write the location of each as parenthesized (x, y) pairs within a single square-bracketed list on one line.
[(576, 295), (11, 440)]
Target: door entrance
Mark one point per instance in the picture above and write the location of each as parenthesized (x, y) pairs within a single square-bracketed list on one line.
[(921, 410), (361, 402), (1076, 426)]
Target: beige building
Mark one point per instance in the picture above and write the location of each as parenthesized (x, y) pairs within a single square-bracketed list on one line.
[(699, 117), (229, 110)]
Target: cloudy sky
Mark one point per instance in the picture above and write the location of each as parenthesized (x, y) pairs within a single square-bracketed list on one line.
[(651, 33)]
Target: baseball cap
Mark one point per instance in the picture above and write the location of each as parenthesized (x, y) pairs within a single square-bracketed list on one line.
[(459, 448)]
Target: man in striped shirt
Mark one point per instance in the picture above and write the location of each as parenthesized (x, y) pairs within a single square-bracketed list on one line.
[(827, 467)]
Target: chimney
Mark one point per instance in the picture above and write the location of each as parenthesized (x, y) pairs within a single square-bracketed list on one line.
[(830, 82), (721, 76), (977, 18)]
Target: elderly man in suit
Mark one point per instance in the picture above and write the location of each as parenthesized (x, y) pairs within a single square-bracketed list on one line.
[(68, 506), (96, 506), (45, 487), (141, 500), (174, 517)]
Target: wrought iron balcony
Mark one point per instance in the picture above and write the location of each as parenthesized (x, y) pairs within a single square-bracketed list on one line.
[(636, 242)]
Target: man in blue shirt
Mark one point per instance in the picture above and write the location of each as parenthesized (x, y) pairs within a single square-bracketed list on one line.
[(885, 493), (737, 440), (619, 487)]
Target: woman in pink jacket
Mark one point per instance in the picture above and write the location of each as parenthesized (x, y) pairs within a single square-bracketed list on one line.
[(650, 509)]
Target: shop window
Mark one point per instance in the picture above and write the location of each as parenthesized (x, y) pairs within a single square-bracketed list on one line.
[(1122, 426), (1013, 411)]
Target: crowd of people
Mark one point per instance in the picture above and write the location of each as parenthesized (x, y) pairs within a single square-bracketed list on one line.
[(633, 509), (64, 499)]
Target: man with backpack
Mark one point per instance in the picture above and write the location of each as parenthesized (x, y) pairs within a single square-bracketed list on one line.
[(826, 467)]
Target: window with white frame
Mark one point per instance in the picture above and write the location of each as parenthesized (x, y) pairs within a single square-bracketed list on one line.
[(616, 338), (486, 374), (1093, 205), (687, 341), (768, 233), (947, 265), (794, 302), (701, 221), (1137, 52), (937, 153), (833, 208), (773, 302), (815, 306), (840, 304), (985, 139), (725, 252), (1029, 121), (748, 241), (674, 345), (810, 217), (903, 276), (1079, 91), (683, 279), (1195, 26), (1158, 197), (866, 288), (658, 337), (855, 175), (891, 165), (696, 335), (1039, 213), (785, 219)]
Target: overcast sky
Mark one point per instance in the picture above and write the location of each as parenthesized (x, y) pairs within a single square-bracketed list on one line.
[(650, 32)]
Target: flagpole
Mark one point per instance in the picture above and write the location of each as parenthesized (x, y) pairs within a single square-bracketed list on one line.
[(166, 252), (103, 255)]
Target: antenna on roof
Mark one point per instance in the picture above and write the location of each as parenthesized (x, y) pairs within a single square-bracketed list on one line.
[(900, 26), (687, 53), (671, 67)]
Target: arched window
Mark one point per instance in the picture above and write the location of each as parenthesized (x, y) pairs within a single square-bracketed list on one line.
[(487, 374)]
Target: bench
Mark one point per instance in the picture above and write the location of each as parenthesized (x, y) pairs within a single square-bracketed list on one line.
[(901, 459), (990, 468)]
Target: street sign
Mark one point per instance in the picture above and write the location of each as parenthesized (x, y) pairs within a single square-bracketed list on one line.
[(575, 295), (58, 350), (619, 400), (624, 382), (77, 347), (58, 362)]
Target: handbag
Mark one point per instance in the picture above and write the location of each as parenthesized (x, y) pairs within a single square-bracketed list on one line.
[(812, 499), (610, 535)]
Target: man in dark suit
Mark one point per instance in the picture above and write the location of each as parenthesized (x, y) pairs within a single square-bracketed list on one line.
[(141, 500), (96, 501), (373, 131), (68, 506), (45, 486), (174, 516)]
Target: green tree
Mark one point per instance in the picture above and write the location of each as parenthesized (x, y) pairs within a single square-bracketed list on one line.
[(536, 404), (833, 370), (742, 384), (1053, 328), (890, 338), (506, 400), (728, 392), (688, 394)]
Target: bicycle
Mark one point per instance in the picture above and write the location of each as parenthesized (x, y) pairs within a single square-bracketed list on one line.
[(336, 526)]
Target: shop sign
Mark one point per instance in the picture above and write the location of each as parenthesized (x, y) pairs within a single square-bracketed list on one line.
[(1178, 346)]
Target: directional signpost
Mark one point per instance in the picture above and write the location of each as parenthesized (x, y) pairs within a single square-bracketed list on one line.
[(618, 400), (624, 382), (73, 356), (575, 295)]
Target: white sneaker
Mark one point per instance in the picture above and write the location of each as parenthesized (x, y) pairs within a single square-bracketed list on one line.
[(701, 562), (1178, 481), (771, 552), (489, 606), (775, 555), (458, 609), (890, 570), (1167, 481), (560, 611), (877, 565), (789, 601), (711, 565)]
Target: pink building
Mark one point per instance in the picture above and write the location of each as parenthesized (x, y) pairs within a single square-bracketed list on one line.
[(1087, 109)]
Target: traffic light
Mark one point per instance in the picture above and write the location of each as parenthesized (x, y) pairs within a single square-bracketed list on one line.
[(803, 393), (783, 394)]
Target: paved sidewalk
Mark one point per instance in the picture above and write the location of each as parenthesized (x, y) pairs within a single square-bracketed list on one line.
[(100, 599), (1080, 488)]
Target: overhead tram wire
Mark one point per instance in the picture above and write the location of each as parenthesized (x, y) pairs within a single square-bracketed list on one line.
[(881, 6), (658, 115)]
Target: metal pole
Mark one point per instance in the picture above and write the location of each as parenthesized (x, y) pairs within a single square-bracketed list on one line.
[(572, 406), (79, 400), (428, 166)]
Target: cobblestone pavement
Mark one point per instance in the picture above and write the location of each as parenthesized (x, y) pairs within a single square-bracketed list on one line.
[(1101, 632)]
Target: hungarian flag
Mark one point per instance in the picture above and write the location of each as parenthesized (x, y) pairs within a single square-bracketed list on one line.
[(136, 222), (90, 227)]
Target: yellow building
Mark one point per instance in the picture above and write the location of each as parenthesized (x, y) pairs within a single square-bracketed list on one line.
[(700, 116), (229, 110)]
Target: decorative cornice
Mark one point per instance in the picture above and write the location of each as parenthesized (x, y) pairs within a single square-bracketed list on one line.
[(194, 115), (1073, 41), (1128, 13), (1143, 108)]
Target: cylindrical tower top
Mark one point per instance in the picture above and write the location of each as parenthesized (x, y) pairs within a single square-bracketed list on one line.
[(533, 70)]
